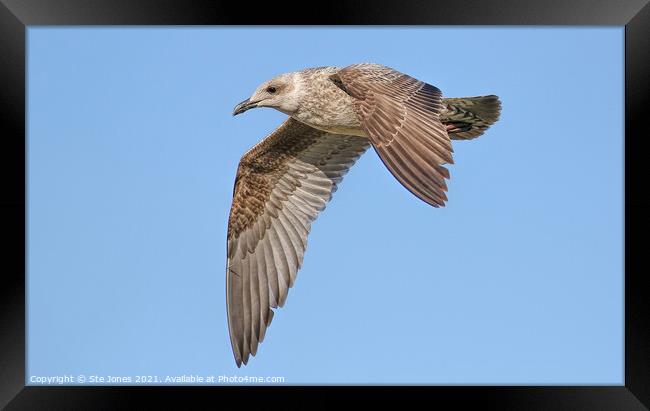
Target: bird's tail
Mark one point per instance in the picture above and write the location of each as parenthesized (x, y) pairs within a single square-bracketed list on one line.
[(468, 117)]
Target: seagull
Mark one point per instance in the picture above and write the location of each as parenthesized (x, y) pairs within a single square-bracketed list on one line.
[(284, 181)]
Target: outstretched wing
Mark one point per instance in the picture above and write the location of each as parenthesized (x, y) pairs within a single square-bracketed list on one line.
[(400, 115), (282, 184)]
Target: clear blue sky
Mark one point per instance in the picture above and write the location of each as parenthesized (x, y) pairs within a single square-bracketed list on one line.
[(132, 153)]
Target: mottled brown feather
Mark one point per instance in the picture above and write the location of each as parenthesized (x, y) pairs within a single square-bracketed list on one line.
[(400, 114), (282, 184), (468, 117)]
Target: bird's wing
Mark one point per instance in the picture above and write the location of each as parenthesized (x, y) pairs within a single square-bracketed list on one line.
[(400, 114), (282, 184)]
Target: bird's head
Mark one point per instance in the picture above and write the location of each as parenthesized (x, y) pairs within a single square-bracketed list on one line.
[(280, 93)]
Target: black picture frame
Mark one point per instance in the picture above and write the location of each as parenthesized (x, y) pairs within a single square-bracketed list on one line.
[(17, 15)]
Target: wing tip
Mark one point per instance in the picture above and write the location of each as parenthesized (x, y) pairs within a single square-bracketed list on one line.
[(440, 204)]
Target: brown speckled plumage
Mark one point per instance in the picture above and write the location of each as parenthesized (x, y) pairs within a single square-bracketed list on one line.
[(285, 180)]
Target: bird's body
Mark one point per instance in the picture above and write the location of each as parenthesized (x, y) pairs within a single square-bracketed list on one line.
[(285, 180), (328, 108)]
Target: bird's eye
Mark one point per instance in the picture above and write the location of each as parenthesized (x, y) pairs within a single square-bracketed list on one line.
[(271, 90)]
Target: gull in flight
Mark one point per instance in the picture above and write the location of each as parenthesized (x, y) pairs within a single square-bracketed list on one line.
[(285, 180)]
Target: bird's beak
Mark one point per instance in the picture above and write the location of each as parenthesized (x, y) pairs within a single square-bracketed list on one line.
[(243, 106)]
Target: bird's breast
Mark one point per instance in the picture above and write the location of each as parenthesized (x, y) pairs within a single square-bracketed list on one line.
[(330, 109), (340, 129)]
